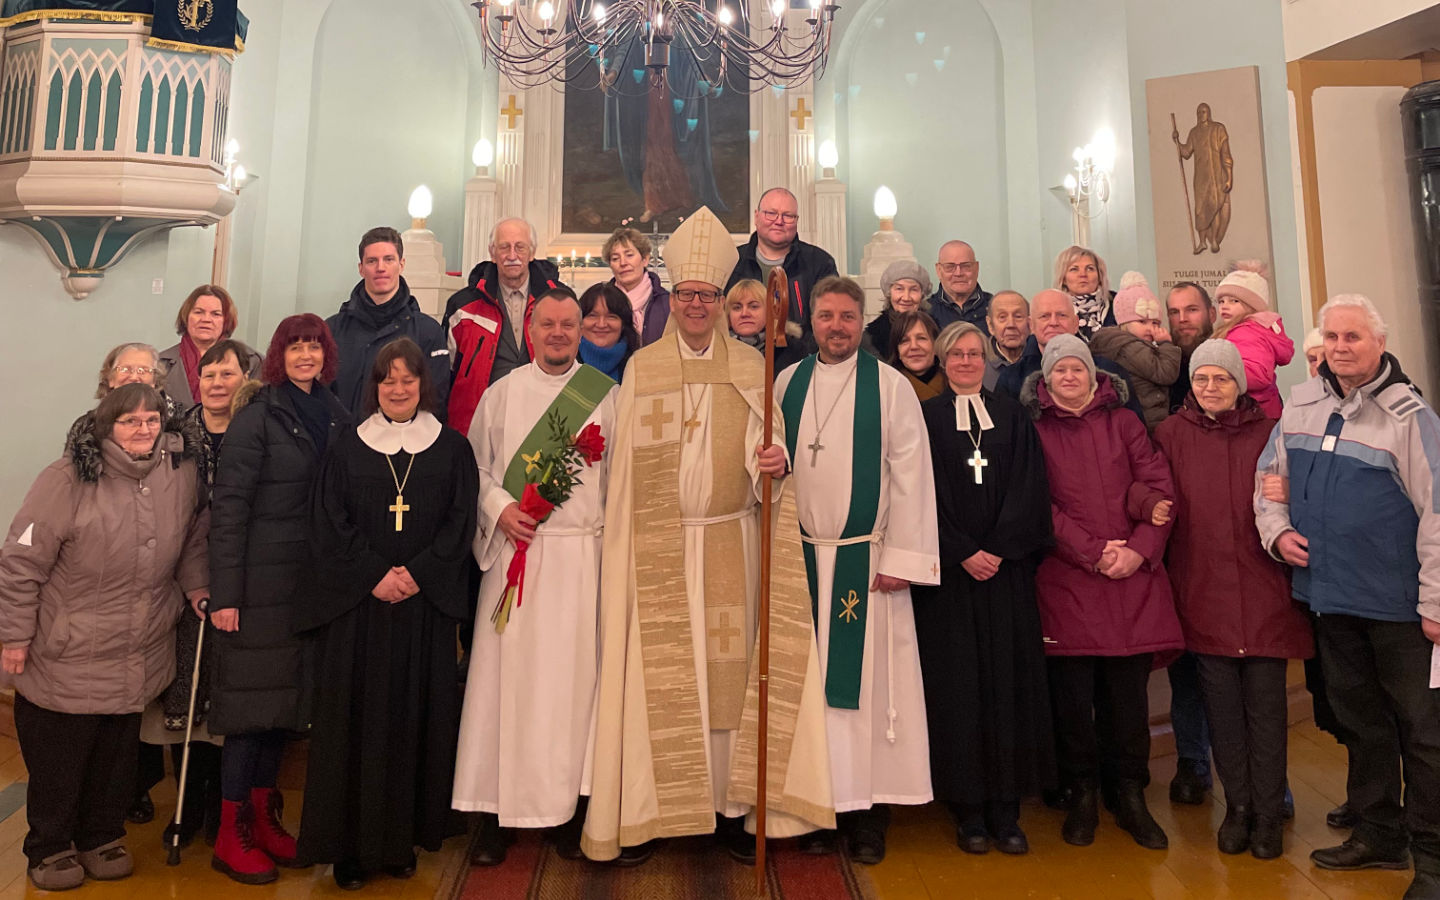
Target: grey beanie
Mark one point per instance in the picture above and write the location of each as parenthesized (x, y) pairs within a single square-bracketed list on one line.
[(904, 268), (1064, 346), (1222, 353)]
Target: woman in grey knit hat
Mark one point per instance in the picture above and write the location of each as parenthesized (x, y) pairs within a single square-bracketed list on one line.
[(1234, 601), (906, 285)]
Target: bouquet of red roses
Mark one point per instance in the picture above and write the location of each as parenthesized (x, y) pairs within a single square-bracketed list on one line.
[(551, 474)]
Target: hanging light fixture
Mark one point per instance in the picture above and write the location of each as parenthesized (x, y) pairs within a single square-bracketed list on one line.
[(740, 45)]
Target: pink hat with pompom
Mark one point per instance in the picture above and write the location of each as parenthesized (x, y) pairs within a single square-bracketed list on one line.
[(1136, 302), (1247, 282)]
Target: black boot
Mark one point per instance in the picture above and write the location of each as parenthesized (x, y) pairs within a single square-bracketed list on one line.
[(730, 830), (1084, 815), (1191, 782), (1342, 816), (1133, 815), (1267, 837), (490, 845), (865, 833), (566, 838), (1234, 834)]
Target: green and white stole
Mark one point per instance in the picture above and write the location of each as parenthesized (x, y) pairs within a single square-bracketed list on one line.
[(575, 402), (850, 589)]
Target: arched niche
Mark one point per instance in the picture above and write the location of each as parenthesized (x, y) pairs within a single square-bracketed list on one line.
[(390, 108), (920, 105)]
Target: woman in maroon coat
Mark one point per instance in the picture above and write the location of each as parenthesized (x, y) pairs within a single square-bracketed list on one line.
[(1234, 600), (1104, 598)]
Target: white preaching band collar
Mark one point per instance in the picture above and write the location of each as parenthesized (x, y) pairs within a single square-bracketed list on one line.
[(966, 402), (387, 437)]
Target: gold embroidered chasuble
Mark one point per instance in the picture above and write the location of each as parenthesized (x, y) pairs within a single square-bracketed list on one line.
[(653, 774)]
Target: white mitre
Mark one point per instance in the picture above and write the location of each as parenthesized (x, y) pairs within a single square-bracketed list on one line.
[(701, 249)]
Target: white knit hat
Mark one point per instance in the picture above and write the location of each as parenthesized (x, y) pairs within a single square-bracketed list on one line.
[(1247, 283)]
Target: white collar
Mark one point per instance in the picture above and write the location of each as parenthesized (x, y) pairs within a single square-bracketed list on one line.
[(966, 402), (687, 352), (562, 378), (387, 437), (842, 367)]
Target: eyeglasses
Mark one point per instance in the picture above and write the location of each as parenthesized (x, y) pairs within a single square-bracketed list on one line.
[(771, 215), (966, 355), (149, 423), (1219, 381), (685, 295), (142, 371), (519, 249), (952, 268)]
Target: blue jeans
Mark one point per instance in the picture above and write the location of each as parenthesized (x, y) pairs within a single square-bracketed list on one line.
[(1187, 711)]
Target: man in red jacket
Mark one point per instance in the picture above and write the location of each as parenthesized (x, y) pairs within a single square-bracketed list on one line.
[(486, 323)]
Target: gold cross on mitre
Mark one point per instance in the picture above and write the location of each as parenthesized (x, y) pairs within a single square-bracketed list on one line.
[(848, 614)]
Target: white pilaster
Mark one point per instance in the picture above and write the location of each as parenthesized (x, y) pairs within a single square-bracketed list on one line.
[(830, 219), (482, 198)]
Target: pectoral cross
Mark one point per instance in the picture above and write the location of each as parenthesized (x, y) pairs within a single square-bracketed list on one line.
[(399, 508), (978, 463), (690, 425), (814, 447)]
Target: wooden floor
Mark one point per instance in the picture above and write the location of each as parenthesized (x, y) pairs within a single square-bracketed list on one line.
[(923, 861)]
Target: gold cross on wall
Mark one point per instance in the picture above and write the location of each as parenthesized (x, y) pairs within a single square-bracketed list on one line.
[(800, 114), (511, 112), (656, 419)]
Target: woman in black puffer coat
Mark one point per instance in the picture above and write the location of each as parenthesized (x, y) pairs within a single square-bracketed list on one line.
[(260, 560)]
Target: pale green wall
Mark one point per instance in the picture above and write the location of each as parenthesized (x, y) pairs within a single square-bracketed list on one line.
[(1041, 76)]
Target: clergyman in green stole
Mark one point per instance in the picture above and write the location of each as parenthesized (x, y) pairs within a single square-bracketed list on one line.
[(575, 402), (850, 591)]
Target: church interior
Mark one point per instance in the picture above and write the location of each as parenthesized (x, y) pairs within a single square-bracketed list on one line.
[(1018, 126)]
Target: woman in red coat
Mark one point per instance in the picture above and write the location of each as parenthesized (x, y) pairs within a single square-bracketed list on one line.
[(1234, 600), (1105, 602)]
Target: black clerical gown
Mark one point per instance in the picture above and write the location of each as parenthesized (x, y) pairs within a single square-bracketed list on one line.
[(387, 714), (981, 650)]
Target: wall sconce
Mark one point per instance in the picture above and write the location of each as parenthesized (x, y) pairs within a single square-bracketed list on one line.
[(1088, 186)]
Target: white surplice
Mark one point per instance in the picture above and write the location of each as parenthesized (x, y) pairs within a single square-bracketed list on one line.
[(526, 726), (880, 752)]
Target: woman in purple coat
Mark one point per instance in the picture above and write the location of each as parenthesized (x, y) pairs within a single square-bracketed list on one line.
[(1105, 603), (1234, 601)]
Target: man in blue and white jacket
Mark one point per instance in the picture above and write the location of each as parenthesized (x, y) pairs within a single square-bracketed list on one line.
[(1361, 450)]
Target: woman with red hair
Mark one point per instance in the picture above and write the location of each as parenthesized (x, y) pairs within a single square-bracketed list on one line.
[(260, 553)]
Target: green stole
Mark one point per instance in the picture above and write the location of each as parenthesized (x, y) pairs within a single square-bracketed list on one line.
[(575, 402), (850, 591)]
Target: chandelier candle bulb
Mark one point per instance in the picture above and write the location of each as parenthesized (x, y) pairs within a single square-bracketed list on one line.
[(885, 207), (422, 203)]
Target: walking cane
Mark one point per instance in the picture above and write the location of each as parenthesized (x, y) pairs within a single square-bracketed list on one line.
[(777, 310), (173, 859), (1185, 186)]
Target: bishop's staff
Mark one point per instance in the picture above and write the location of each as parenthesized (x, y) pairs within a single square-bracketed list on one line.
[(1184, 185), (777, 312)]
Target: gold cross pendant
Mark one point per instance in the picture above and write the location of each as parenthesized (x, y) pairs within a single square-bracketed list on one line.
[(399, 508), (690, 425)]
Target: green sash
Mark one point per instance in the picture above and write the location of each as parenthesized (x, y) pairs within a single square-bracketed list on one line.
[(575, 402), (850, 591)]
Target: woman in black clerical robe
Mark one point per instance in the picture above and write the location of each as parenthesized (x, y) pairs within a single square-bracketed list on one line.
[(981, 650), (393, 513)]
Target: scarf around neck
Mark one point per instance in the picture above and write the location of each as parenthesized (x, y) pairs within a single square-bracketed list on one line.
[(190, 360), (610, 360), (1090, 310), (378, 315), (313, 412)]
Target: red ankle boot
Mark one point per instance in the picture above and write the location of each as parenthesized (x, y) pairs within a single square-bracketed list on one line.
[(236, 853), (270, 833)]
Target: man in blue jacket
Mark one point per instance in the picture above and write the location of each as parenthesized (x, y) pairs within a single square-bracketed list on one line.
[(380, 309), (1361, 451)]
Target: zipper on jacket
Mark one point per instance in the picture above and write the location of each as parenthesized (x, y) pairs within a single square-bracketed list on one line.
[(471, 362)]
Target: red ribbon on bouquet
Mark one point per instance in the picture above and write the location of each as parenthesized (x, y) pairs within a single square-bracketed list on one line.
[(537, 508)]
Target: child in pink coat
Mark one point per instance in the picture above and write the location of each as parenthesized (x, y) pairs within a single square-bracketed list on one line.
[(1246, 320)]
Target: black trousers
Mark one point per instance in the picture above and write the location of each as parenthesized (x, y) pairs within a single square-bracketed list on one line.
[(1101, 713), (1245, 704), (82, 777), (1377, 675)]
